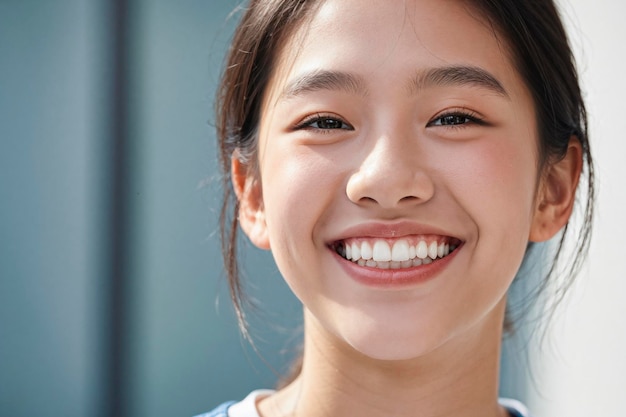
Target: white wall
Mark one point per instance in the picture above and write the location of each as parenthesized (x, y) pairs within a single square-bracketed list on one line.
[(581, 367)]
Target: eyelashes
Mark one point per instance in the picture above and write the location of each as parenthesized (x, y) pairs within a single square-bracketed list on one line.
[(457, 118), (450, 119), (323, 122)]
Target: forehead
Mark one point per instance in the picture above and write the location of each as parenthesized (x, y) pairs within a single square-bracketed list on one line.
[(393, 38)]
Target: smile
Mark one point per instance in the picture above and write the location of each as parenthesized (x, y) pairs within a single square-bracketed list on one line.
[(400, 253)]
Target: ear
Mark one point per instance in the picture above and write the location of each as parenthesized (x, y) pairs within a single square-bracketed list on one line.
[(556, 194), (251, 209)]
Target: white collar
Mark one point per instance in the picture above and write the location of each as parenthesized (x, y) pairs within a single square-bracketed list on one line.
[(247, 407)]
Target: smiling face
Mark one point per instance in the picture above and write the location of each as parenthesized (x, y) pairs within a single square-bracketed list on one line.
[(397, 173)]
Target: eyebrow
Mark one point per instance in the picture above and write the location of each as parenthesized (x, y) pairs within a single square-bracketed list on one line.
[(459, 76), (319, 80), (325, 80)]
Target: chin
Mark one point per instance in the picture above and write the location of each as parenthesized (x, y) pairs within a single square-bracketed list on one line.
[(393, 343)]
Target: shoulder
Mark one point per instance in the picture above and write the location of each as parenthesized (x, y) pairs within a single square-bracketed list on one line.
[(244, 408), (221, 411), (515, 408)]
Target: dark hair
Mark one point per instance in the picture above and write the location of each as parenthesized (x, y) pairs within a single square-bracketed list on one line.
[(533, 36), (256, 42)]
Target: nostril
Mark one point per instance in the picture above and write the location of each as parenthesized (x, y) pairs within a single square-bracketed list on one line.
[(409, 198), (389, 187)]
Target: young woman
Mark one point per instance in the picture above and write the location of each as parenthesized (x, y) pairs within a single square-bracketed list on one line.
[(399, 158)]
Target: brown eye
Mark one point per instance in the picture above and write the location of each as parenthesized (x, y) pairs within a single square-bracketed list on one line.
[(457, 119), (454, 120), (328, 123), (323, 123)]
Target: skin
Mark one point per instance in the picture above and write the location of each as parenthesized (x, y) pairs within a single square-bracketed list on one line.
[(335, 160)]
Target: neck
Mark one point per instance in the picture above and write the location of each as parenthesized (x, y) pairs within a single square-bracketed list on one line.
[(460, 377)]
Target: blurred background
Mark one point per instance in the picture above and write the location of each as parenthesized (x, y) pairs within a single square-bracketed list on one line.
[(112, 295)]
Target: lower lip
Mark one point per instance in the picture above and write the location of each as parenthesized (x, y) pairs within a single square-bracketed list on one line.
[(395, 278)]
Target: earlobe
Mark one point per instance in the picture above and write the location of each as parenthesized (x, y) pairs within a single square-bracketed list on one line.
[(557, 194), (251, 212)]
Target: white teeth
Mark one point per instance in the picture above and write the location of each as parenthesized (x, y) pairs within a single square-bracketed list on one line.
[(402, 254), (400, 251), (366, 250), (356, 251), (432, 250), (381, 251), (421, 250), (440, 250)]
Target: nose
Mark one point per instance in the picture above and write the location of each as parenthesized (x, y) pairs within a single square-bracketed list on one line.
[(392, 175)]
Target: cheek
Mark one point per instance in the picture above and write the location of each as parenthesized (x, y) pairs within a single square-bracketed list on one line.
[(496, 185), (296, 183), (299, 187), (493, 182), (495, 179)]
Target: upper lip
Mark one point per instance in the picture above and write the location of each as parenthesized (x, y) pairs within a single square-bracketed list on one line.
[(391, 230)]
